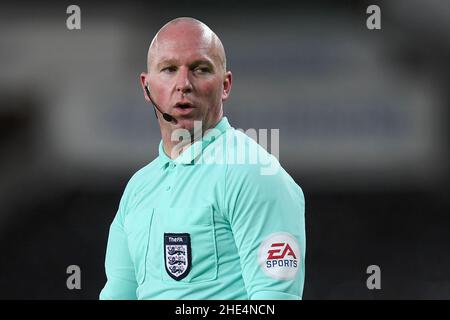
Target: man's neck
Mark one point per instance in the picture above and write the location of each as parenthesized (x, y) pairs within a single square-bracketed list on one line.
[(175, 148)]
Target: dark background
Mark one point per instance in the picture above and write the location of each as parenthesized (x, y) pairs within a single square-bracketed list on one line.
[(362, 114)]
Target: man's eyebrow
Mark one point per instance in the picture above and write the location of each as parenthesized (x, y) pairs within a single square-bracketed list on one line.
[(166, 62), (174, 62), (202, 61)]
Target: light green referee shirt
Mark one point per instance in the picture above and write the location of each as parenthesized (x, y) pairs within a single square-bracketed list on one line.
[(221, 221)]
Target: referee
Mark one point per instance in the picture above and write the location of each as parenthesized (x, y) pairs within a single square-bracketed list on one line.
[(203, 220)]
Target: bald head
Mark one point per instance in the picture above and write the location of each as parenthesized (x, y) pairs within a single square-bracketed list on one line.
[(183, 33), (186, 77)]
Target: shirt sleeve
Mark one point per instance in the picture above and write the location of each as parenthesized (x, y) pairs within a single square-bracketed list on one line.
[(266, 214), (121, 281)]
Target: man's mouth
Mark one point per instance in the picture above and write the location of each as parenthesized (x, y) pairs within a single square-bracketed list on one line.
[(184, 107)]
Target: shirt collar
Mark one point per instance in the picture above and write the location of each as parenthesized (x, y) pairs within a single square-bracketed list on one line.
[(194, 150)]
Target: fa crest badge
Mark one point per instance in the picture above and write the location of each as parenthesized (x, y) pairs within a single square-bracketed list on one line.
[(177, 254)]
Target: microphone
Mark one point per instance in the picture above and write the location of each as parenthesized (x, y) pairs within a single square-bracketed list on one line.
[(165, 115)]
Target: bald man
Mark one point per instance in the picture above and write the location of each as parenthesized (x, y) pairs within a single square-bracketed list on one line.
[(203, 220)]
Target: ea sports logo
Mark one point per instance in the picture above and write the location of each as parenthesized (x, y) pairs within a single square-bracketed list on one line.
[(275, 249), (279, 256)]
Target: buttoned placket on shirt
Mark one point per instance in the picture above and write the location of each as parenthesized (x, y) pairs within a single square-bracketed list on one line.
[(171, 167)]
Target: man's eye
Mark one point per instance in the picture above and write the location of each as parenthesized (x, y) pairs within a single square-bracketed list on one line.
[(202, 70), (169, 69)]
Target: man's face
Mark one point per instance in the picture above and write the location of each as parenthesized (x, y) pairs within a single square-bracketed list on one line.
[(186, 77)]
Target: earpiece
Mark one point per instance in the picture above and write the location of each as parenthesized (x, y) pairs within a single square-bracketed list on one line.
[(166, 116)]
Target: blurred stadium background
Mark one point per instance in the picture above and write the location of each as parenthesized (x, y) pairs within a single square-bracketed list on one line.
[(363, 119)]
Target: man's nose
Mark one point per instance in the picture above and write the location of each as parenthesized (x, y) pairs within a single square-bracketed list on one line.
[(183, 84)]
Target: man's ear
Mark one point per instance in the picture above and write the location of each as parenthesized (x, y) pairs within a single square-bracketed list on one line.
[(227, 82), (143, 78)]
